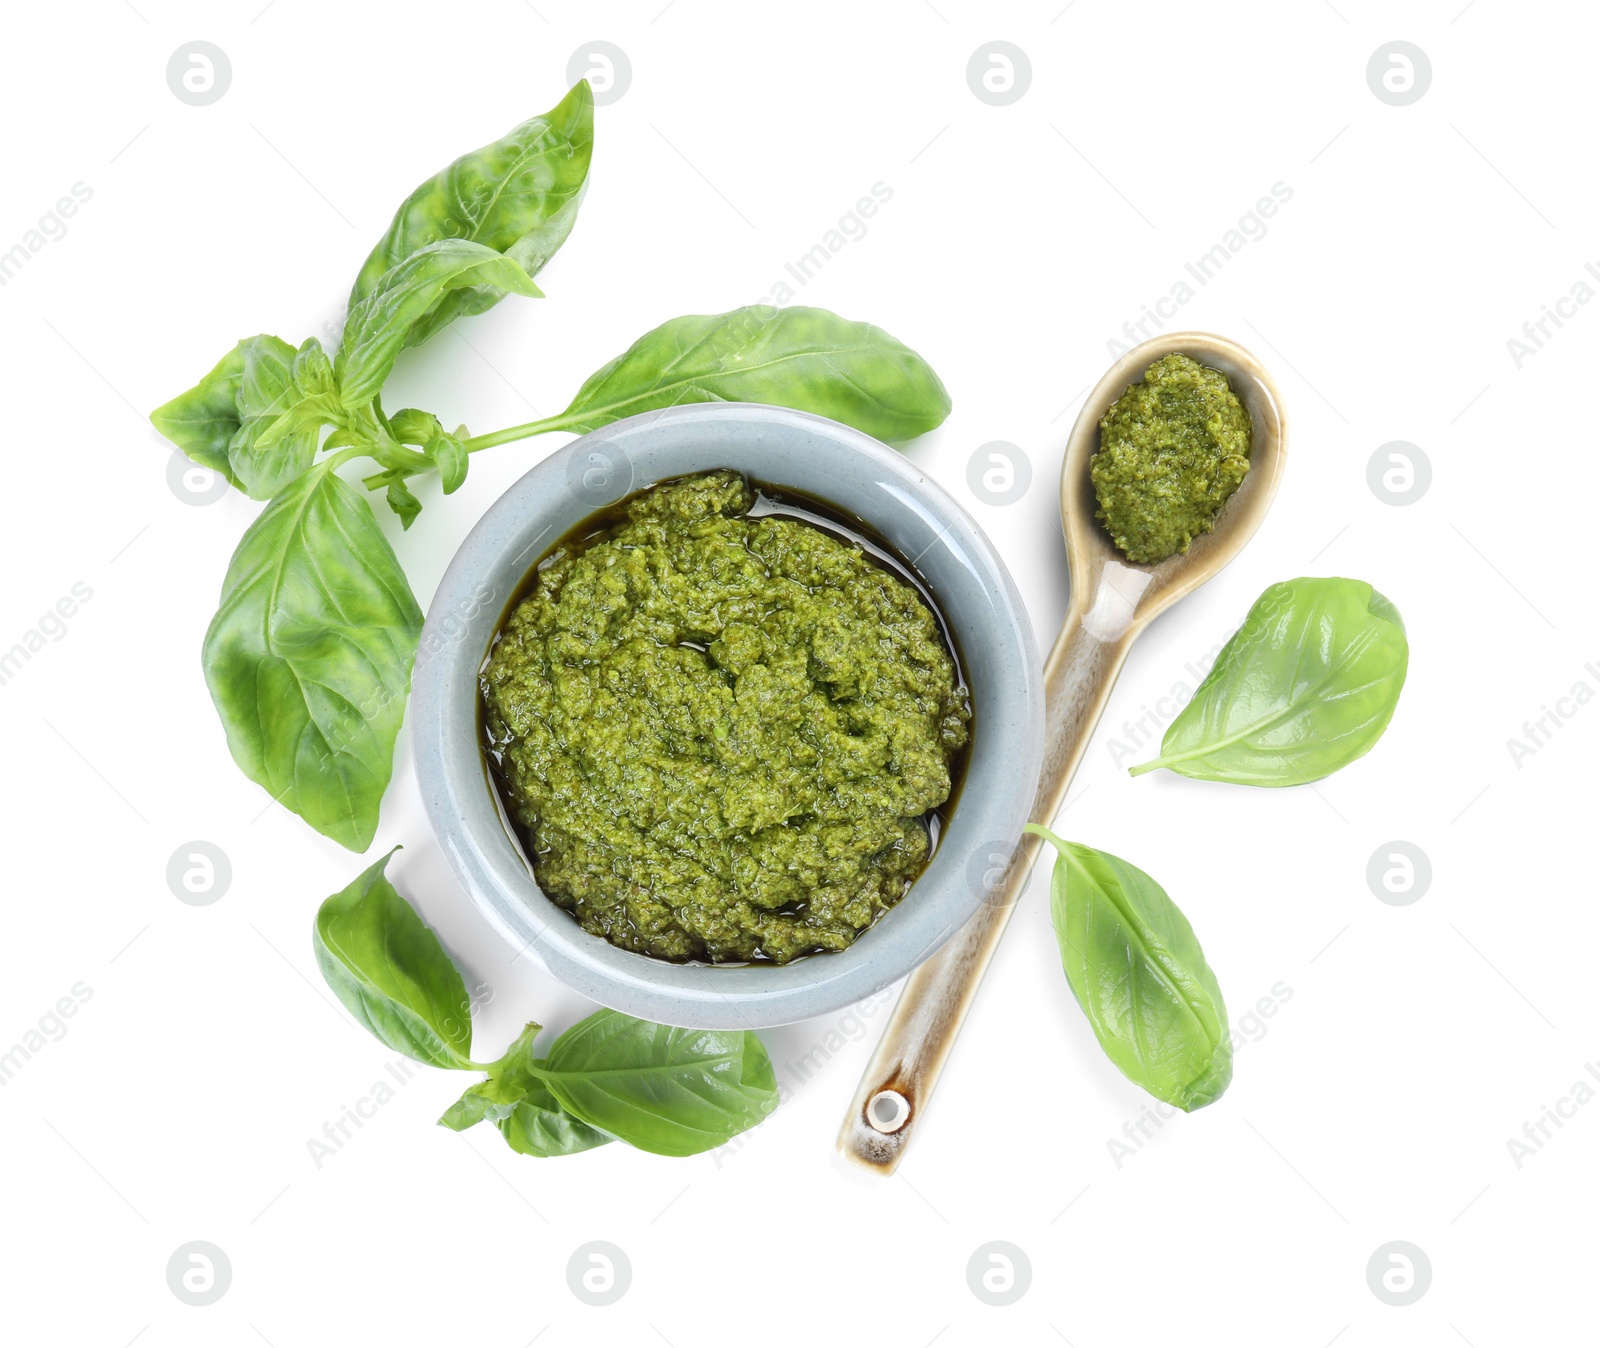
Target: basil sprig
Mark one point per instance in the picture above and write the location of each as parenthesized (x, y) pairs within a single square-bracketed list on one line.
[(608, 1078), (1305, 687), (1137, 970), (219, 423), (310, 688), (522, 1107)]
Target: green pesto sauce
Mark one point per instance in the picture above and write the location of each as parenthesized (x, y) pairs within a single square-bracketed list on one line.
[(721, 733), (1173, 449)]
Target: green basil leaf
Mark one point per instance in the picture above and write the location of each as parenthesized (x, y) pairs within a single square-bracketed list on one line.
[(221, 422), (517, 1102), (203, 421), (411, 427), (1306, 686), (302, 419), (267, 391), (809, 359), (518, 196), (378, 322), (388, 968), (309, 656), (469, 1111), (1137, 970), (538, 1126), (313, 371), (661, 1089), (508, 1081), (402, 501), (450, 457)]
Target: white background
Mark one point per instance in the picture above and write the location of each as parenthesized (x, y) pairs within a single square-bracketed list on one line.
[(1377, 1102)]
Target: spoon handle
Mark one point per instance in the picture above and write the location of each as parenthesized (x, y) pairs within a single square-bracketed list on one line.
[(898, 1082)]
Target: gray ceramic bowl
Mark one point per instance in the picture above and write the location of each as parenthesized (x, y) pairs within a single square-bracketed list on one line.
[(783, 448)]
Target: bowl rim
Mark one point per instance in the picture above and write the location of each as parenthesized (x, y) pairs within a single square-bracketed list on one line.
[(463, 806)]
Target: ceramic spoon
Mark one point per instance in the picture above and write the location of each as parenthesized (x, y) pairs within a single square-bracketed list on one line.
[(1112, 601)]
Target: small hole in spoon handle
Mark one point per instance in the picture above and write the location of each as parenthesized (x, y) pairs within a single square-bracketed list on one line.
[(888, 1112)]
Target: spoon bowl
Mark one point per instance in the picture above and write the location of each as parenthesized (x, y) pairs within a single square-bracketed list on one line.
[(1130, 593), (1112, 600)]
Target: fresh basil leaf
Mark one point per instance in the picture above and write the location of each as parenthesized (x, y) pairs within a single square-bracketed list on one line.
[(220, 423), (450, 457), (378, 322), (518, 196), (203, 421), (661, 1089), (448, 452), (402, 501), (508, 1081), (309, 656), (809, 359), (1306, 686), (302, 420), (266, 391), (538, 1126), (468, 1111), (411, 427), (391, 973), (313, 371), (1137, 970), (521, 1106)]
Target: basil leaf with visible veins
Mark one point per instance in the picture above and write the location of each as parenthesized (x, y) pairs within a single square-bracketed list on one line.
[(308, 658), (388, 968), (659, 1088), (379, 321), (518, 196), (1137, 970), (221, 422), (1306, 686), (521, 1106), (809, 359)]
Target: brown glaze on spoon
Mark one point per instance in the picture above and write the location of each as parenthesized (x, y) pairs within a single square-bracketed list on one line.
[(1112, 601)]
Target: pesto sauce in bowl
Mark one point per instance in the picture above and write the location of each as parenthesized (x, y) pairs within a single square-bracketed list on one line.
[(1173, 448), (722, 734)]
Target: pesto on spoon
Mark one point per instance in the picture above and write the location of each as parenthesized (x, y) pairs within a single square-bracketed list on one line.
[(1173, 448)]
